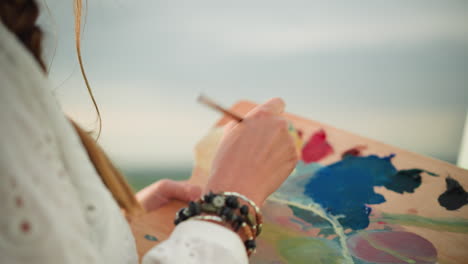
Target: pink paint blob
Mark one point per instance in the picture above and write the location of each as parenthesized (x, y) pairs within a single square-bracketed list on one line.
[(316, 148), (383, 247)]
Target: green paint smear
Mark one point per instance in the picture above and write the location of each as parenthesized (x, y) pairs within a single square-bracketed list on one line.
[(456, 225), (317, 221), (333, 220), (310, 250), (272, 233), (151, 238)]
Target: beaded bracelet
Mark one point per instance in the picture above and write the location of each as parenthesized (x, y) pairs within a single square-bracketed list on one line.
[(255, 223), (222, 208), (250, 244), (258, 215)]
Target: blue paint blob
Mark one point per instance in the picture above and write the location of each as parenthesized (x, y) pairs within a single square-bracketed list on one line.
[(347, 187)]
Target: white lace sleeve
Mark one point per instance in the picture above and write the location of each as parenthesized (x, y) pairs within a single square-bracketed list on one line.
[(199, 242)]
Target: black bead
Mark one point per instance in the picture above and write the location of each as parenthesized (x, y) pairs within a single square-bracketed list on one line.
[(194, 208), (244, 210), (180, 212), (236, 227), (227, 213), (237, 222), (250, 244), (181, 215), (208, 198), (186, 212), (232, 202), (234, 222)]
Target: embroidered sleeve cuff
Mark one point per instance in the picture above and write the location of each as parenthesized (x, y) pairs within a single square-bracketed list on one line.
[(199, 242)]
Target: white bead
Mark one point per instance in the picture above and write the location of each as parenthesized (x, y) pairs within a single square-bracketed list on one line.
[(218, 201)]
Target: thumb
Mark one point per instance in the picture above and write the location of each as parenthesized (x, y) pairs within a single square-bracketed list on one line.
[(274, 106)]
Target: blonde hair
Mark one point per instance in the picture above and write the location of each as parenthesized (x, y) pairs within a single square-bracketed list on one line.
[(112, 178), (77, 8)]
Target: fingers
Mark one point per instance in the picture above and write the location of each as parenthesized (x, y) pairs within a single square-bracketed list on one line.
[(160, 193), (273, 106), (183, 191)]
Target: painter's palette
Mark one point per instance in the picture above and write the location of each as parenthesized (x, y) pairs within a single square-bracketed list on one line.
[(355, 200)]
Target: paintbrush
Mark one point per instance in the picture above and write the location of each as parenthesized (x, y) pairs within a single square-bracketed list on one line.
[(210, 103)]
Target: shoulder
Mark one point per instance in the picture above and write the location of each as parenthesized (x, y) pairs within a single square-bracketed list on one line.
[(22, 82)]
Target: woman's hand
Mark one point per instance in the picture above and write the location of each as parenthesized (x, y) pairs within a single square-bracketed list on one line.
[(256, 155), (163, 191)]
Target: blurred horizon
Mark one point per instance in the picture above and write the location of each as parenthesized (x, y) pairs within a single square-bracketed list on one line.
[(395, 71)]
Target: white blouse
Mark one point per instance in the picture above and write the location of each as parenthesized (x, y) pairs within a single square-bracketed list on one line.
[(54, 207)]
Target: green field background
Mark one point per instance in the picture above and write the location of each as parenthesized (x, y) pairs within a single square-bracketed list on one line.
[(141, 177)]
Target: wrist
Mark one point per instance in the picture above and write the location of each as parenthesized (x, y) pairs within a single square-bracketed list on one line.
[(222, 179), (229, 209), (256, 197)]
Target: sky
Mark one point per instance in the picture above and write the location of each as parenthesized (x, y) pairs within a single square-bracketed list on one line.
[(394, 71)]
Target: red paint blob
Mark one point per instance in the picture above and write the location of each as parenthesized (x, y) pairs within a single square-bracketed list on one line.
[(381, 222), (392, 247), (354, 151), (316, 148)]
